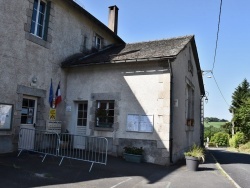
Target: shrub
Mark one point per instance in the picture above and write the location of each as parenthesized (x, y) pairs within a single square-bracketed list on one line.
[(211, 144), (133, 150), (245, 147), (221, 139), (237, 139)]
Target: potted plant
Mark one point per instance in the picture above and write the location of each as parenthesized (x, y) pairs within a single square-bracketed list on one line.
[(133, 154), (194, 157)]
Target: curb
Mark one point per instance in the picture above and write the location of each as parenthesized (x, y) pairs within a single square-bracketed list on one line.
[(220, 168)]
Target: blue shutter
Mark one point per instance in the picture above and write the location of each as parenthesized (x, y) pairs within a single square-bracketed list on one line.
[(46, 25)]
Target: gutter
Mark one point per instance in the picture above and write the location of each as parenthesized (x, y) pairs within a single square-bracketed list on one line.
[(121, 61)]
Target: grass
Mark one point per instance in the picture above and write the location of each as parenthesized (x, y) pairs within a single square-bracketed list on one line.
[(214, 124)]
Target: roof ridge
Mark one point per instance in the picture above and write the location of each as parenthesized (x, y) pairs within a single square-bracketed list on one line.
[(164, 39)]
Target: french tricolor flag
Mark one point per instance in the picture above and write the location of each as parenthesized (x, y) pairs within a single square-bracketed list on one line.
[(58, 95)]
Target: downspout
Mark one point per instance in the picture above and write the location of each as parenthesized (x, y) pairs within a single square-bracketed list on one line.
[(171, 114)]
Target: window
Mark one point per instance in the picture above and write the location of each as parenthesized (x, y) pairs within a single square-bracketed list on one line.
[(105, 114), (38, 18), (28, 111), (190, 67), (98, 42), (82, 114), (190, 105)]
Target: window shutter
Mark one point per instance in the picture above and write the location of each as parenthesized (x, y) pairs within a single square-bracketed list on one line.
[(46, 25)]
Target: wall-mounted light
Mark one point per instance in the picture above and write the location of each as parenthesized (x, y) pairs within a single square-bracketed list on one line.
[(206, 100)]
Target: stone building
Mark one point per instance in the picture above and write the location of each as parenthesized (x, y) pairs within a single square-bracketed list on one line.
[(151, 92)]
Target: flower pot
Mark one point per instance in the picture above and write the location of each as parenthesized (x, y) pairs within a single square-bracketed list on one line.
[(132, 158), (192, 163)]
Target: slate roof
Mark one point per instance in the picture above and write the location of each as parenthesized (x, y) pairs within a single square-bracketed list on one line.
[(166, 48), (142, 51)]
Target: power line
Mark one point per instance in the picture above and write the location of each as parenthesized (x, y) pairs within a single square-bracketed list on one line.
[(219, 89), (215, 53), (217, 37)]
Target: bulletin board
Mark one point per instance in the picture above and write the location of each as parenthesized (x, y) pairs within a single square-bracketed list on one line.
[(6, 112), (140, 123)]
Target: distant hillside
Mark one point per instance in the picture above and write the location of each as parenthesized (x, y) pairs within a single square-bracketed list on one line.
[(214, 124)]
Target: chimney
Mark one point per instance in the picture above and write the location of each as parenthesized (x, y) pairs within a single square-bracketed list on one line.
[(113, 18)]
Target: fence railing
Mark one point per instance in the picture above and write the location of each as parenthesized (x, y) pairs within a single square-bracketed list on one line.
[(86, 148)]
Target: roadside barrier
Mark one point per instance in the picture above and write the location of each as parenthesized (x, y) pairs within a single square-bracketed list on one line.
[(85, 148)]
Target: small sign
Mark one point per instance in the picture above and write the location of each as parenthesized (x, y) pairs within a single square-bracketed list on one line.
[(52, 114), (68, 108)]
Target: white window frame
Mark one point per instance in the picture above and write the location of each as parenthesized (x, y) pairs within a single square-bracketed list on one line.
[(37, 16), (83, 112), (107, 110), (35, 109)]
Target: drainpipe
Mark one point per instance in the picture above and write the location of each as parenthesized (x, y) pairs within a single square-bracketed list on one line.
[(171, 114)]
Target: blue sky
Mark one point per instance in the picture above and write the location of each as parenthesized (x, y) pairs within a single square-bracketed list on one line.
[(145, 20)]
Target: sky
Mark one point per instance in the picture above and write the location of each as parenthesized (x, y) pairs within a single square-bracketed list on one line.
[(147, 20)]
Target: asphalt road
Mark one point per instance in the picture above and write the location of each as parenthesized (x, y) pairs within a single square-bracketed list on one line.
[(28, 170), (236, 165)]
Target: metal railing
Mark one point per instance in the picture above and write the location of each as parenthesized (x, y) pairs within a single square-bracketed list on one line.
[(86, 148)]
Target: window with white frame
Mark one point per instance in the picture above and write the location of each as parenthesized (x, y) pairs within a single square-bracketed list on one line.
[(82, 114), (189, 105), (105, 114), (28, 113), (38, 18)]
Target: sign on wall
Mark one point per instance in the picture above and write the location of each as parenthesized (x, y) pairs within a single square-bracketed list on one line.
[(6, 111), (140, 123), (52, 114)]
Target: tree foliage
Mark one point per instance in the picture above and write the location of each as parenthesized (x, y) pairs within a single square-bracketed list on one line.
[(221, 138), (214, 119), (241, 108), (237, 140), (241, 93)]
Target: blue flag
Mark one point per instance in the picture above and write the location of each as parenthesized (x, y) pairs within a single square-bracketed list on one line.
[(51, 95)]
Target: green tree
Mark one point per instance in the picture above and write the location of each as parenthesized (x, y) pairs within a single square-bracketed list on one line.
[(242, 118), (210, 131), (240, 108), (241, 93)]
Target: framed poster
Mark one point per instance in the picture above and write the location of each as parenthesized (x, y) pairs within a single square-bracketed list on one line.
[(6, 112), (140, 123), (132, 122), (146, 123)]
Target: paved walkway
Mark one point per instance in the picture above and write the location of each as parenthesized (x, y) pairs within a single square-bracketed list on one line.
[(28, 171)]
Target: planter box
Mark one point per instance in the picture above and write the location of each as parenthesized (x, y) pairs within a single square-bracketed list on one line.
[(192, 163), (132, 158)]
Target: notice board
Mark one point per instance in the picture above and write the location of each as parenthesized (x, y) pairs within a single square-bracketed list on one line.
[(140, 123)]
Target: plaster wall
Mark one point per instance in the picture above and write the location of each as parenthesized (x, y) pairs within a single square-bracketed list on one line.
[(138, 88), (24, 56), (184, 136)]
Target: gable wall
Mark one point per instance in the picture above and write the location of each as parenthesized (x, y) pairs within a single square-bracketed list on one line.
[(184, 136)]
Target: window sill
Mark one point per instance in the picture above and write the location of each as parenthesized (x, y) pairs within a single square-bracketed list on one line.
[(37, 40), (103, 129)]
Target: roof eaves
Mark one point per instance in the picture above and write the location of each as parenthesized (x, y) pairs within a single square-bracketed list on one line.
[(199, 71), (120, 61)]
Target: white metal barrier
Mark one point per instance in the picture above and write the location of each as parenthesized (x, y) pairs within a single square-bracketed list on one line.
[(38, 141), (78, 147)]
